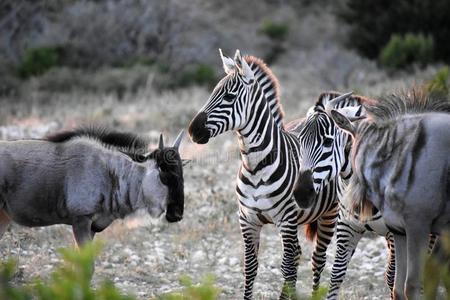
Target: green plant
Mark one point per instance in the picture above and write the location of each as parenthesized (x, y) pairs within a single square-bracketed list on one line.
[(437, 270), (204, 291), (69, 281), (200, 74), (372, 23), (402, 51), (276, 31), (440, 83), (37, 61)]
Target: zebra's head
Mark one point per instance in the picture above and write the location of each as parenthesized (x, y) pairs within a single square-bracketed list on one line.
[(227, 107), (324, 147)]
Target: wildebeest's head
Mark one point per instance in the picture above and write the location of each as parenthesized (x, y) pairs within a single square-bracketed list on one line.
[(170, 193)]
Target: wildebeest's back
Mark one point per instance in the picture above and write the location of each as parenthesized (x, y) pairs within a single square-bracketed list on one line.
[(34, 176)]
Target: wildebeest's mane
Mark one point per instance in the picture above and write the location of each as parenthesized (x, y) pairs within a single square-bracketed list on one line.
[(128, 143), (414, 101)]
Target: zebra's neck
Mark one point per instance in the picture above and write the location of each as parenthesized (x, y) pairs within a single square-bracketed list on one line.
[(258, 139)]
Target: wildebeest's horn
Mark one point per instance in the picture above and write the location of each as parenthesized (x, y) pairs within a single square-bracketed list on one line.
[(332, 103), (161, 142), (178, 140)]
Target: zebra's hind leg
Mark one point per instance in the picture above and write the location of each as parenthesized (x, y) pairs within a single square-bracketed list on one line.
[(389, 275), (291, 255), (5, 220), (325, 230), (347, 238), (250, 234)]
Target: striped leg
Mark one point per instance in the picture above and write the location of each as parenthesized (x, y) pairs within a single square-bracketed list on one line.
[(250, 234), (347, 238), (325, 230), (389, 275), (291, 255)]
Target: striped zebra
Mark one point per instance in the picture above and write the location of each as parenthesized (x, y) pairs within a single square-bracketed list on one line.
[(246, 101), (330, 161)]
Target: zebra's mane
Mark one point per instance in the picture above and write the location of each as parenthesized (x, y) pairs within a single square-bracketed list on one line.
[(269, 84), (350, 101), (128, 143), (416, 100)]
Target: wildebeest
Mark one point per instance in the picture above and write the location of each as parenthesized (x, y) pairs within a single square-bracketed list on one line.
[(401, 160), (87, 178)]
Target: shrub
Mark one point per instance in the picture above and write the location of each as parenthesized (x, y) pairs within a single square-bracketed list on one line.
[(372, 23), (402, 51), (71, 280), (440, 83), (437, 270), (37, 61), (205, 291), (200, 74), (277, 33)]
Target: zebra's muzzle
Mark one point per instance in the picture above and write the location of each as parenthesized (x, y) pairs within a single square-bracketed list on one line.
[(304, 192), (197, 129)]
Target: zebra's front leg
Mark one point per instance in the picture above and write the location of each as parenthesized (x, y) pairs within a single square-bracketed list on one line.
[(347, 238), (291, 257), (325, 230), (250, 234)]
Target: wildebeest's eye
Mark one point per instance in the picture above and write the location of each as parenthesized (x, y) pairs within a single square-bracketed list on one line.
[(327, 142), (229, 97)]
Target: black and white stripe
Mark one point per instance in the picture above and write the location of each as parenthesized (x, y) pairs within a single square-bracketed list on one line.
[(269, 171)]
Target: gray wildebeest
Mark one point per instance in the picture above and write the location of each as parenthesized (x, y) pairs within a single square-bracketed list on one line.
[(87, 178), (401, 158)]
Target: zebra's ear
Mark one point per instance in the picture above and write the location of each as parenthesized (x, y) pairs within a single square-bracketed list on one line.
[(243, 67), (343, 122), (228, 63)]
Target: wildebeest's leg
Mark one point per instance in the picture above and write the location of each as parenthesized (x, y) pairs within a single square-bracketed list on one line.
[(81, 227), (400, 266), (325, 230), (389, 275), (4, 222), (250, 234), (347, 238), (291, 255), (417, 239)]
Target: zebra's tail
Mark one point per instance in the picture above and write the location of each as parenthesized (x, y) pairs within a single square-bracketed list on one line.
[(311, 230)]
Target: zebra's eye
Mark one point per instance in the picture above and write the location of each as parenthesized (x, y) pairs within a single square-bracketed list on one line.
[(327, 142), (229, 97)]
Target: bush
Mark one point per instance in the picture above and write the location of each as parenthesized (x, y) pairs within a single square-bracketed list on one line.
[(37, 61), (440, 84), (402, 51), (372, 23), (71, 280), (277, 33), (200, 74)]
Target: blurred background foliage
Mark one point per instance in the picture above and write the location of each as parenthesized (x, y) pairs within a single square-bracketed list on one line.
[(178, 40)]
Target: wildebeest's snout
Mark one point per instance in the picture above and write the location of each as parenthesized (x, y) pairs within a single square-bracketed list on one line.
[(304, 192), (197, 129), (174, 217)]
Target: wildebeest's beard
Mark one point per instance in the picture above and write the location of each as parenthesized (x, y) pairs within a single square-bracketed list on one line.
[(171, 175)]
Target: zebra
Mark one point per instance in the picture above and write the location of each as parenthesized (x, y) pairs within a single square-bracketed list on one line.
[(270, 183), (401, 166), (350, 228)]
